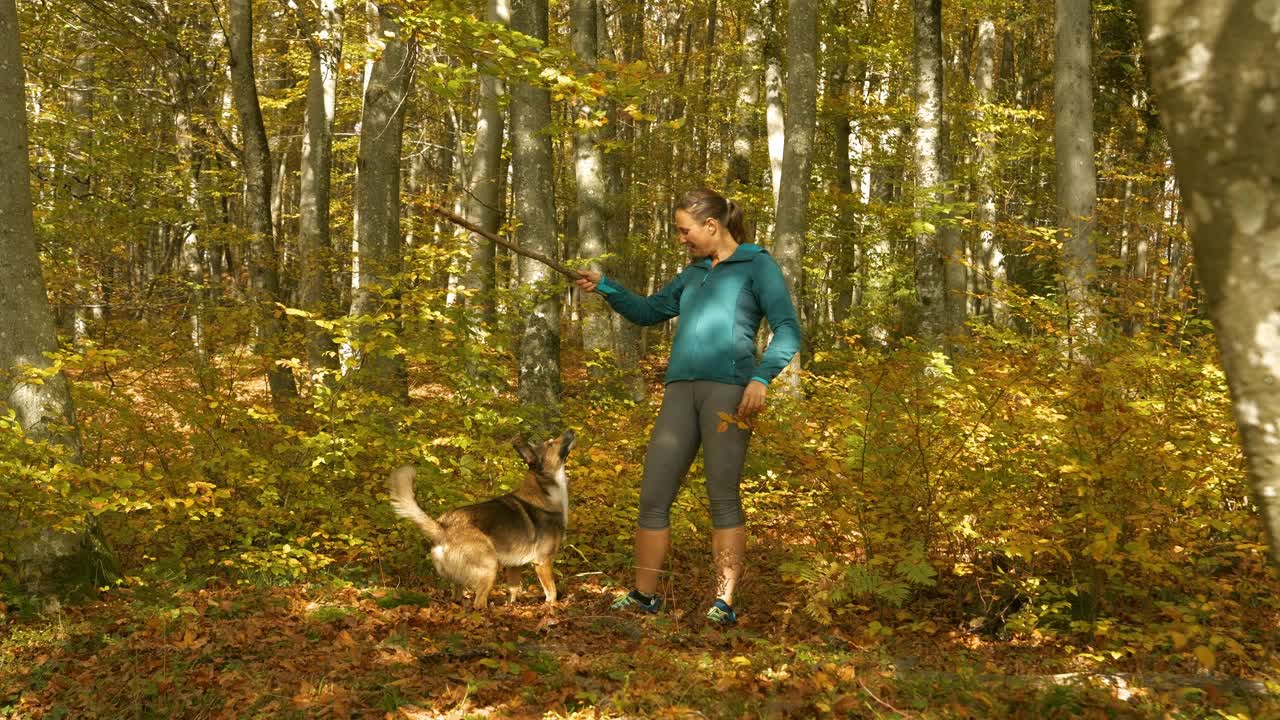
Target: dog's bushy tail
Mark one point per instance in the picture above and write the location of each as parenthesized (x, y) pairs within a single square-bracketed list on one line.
[(400, 484)]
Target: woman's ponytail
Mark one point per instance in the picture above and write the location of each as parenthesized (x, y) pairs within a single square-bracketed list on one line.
[(733, 221)]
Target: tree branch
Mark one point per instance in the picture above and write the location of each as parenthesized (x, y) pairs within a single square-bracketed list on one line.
[(468, 225)]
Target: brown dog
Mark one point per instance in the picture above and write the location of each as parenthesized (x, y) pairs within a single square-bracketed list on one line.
[(473, 543)]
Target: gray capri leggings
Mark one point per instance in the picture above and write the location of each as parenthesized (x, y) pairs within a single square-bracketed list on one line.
[(690, 416)]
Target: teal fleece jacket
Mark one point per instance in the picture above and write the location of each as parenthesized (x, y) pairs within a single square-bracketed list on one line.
[(720, 309)]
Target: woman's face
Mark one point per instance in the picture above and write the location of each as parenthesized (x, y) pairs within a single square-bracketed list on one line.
[(700, 237)]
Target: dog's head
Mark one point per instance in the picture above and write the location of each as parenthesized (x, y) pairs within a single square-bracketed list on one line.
[(546, 458)]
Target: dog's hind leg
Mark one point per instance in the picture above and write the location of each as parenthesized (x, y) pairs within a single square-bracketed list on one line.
[(547, 579), (513, 583), (483, 588)]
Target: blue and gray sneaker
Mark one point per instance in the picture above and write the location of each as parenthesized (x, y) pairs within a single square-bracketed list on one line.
[(722, 614), (638, 601)]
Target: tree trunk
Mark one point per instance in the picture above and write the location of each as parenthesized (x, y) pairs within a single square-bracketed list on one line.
[(705, 100), (844, 274), (534, 195), (774, 114), (927, 58), (264, 275), (797, 161), (448, 165), (27, 325), (48, 561), (192, 250), (1077, 177), (382, 367), (993, 279), (483, 202), (1214, 66), (314, 250), (78, 183), (628, 265), (739, 174), (589, 170), (279, 206)]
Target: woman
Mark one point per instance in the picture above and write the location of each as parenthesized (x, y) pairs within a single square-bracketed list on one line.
[(721, 297)]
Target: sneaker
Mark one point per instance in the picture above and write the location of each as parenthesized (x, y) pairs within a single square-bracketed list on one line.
[(638, 601), (721, 614)]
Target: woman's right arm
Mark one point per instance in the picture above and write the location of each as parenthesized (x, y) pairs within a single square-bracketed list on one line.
[(659, 307)]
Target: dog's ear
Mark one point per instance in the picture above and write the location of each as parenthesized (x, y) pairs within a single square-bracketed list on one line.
[(527, 453)]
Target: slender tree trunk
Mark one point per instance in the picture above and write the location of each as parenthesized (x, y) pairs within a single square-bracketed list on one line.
[(1077, 177), (483, 202), (449, 172), (703, 130), (993, 279), (927, 58), (264, 275), (589, 160), (775, 120), (387, 74), (192, 250), (315, 252), (793, 199), (1135, 235), (279, 200), (80, 97), (1175, 282), (629, 264), (534, 195), (740, 174), (955, 261), (844, 275), (48, 561), (1214, 66)]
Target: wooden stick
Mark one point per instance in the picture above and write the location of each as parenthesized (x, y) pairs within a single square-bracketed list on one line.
[(468, 225)]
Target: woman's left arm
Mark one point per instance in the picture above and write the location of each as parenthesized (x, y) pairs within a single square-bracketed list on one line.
[(775, 301)]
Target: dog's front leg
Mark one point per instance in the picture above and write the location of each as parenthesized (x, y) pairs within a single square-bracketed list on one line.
[(547, 579)]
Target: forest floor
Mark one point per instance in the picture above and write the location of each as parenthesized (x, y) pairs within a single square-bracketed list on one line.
[(346, 649), (377, 635)]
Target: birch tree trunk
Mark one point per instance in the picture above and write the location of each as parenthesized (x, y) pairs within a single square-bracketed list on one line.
[(992, 276), (534, 206), (797, 160), (1077, 176), (1214, 68), (264, 275), (483, 202), (927, 58), (775, 121), (589, 170), (79, 187), (382, 367), (745, 123), (314, 249), (47, 561), (192, 251)]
